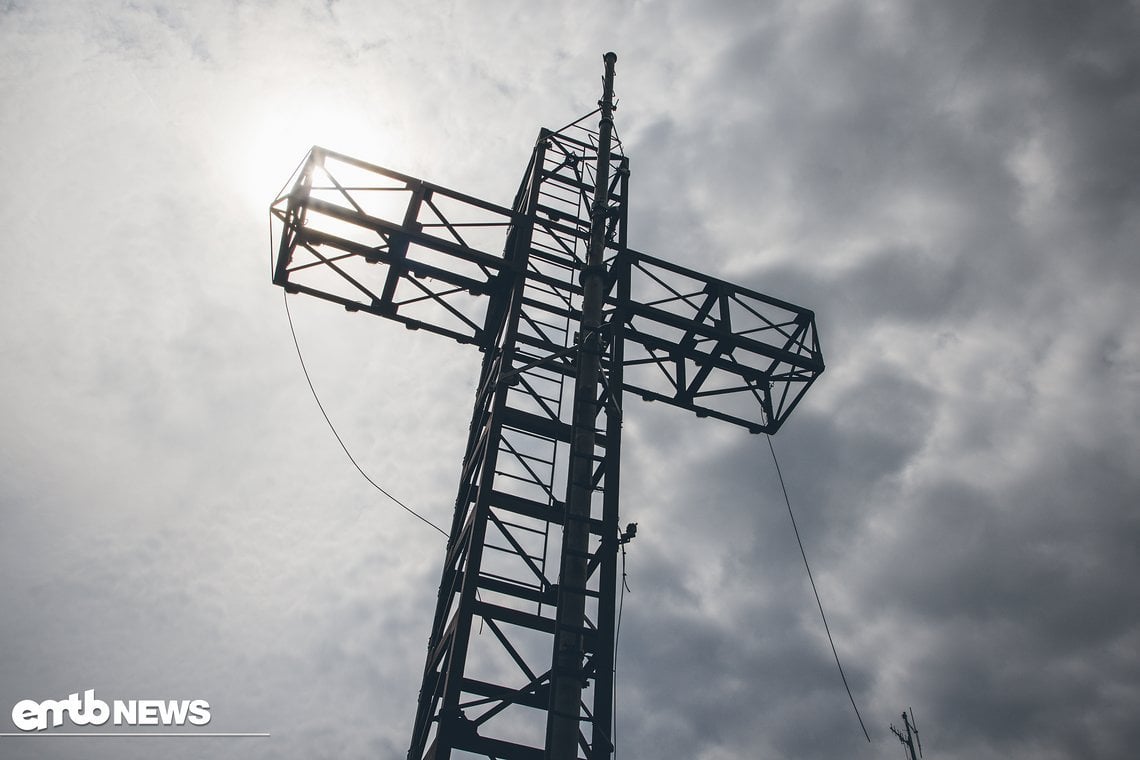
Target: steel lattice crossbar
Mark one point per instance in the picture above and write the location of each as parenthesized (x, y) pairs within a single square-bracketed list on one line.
[(377, 241), (700, 343), (714, 348)]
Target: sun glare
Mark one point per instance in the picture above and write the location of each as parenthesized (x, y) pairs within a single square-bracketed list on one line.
[(277, 141)]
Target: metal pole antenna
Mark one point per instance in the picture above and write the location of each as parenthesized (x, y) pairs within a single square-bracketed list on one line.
[(908, 739), (567, 677)]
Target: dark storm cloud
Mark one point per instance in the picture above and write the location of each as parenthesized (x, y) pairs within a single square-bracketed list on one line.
[(1079, 75), (939, 172)]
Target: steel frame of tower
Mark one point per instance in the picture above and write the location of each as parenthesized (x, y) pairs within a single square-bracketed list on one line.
[(378, 241)]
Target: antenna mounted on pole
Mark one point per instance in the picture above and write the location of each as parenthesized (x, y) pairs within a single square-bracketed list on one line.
[(910, 737)]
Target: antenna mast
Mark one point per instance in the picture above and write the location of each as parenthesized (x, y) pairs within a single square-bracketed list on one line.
[(910, 737), (567, 676)]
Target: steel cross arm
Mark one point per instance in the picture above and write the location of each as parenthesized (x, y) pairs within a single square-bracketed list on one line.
[(707, 345), (393, 252), (375, 240), (790, 351), (398, 178), (406, 235)]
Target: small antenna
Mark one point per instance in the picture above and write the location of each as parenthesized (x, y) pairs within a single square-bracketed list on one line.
[(908, 740), (914, 725)]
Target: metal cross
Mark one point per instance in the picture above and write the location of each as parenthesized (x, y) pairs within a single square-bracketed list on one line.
[(568, 319)]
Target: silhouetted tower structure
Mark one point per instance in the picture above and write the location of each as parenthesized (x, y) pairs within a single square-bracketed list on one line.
[(910, 736), (568, 319)]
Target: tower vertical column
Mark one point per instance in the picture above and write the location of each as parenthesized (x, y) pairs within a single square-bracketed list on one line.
[(566, 676), (524, 565)]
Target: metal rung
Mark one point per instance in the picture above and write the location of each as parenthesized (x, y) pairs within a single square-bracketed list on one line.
[(529, 481), (537, 396), (510, 550), (528, 457), (511, 587), (539, 377), (551, 325), (529, 529), (514, 617), (545, 253)]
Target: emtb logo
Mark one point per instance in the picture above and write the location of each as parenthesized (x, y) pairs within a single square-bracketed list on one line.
[(29, 715)]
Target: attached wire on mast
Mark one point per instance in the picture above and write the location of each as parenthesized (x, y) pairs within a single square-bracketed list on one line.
[(339, 440), (814, 590), (309, 380)]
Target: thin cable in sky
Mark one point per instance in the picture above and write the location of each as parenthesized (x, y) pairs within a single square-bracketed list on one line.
[(617, 636), (814, 590), (339, 440)]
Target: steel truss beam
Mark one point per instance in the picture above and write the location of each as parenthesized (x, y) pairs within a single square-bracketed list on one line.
[(700, 343)]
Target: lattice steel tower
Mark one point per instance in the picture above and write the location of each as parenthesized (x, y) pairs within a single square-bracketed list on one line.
[(568, 319)]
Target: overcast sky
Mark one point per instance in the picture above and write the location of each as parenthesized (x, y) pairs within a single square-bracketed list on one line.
[(953, 187)]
